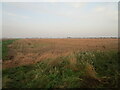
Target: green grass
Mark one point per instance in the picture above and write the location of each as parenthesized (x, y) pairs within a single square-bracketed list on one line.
[(61, 75), (5, 48)]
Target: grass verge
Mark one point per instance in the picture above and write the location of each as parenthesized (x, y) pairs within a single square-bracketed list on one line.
[(5, 48), (80, 70)]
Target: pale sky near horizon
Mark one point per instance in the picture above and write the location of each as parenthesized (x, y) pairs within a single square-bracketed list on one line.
[(59, 19)]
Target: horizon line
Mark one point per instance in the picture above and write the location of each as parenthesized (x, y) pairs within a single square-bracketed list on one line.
[(54, 37)]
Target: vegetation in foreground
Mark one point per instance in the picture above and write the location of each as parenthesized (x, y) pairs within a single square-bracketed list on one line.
[(79, 70)]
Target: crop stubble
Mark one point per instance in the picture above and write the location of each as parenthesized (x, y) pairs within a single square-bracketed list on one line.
[(30, 51)]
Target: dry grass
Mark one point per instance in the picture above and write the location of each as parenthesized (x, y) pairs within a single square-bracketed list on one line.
[(29, 51)]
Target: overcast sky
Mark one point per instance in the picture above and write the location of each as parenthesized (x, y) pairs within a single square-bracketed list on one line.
[(59, 19)]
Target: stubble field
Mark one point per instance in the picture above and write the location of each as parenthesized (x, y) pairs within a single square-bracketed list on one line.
[(62, 63)]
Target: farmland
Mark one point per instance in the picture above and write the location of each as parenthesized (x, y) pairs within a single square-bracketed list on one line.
[(60, 63)]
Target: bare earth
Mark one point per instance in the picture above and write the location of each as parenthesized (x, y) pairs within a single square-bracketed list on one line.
[(30, 51)]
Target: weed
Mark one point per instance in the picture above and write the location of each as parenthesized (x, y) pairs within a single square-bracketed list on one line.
[(94, 69)]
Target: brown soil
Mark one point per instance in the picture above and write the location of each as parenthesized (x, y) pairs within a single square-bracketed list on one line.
[(30, 51)]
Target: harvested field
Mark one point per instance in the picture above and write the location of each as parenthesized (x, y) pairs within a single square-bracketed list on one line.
[(60, 63), (30, 51)]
